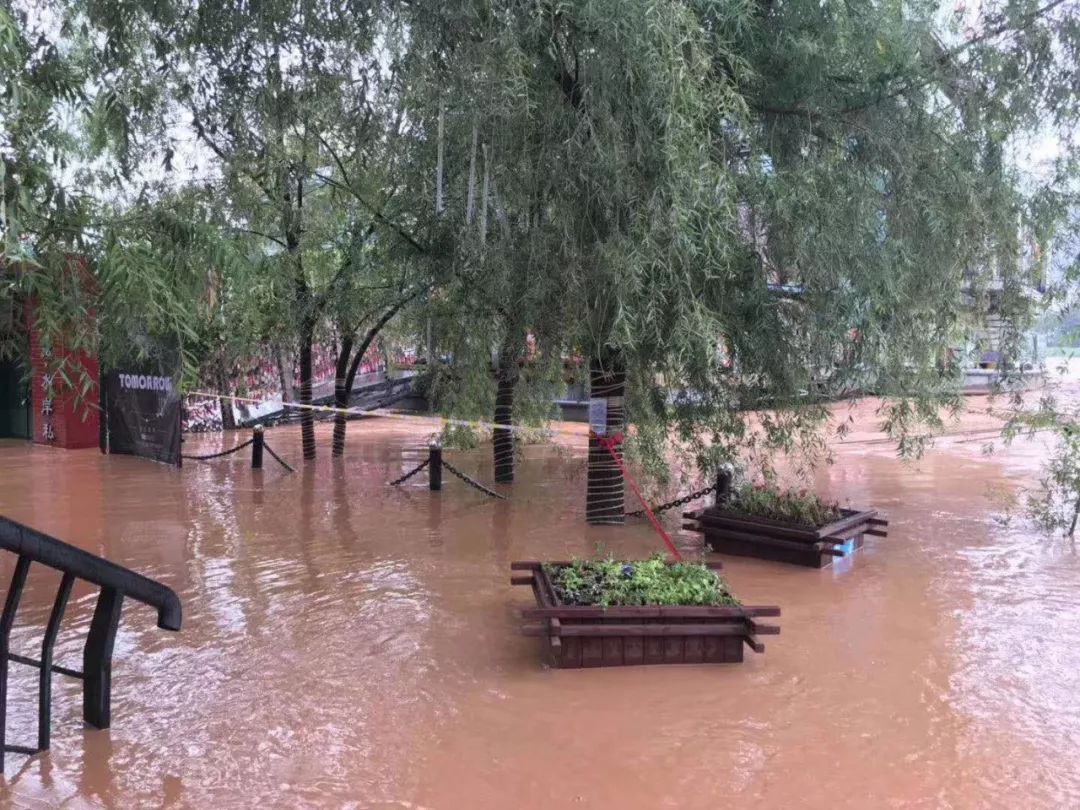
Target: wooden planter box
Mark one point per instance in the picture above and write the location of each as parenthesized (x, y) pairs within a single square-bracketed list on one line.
[(621, 636), (728, 532)]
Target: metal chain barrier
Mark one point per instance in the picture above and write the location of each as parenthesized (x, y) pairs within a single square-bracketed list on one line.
[(209, 456), (471, 482), (278, 458), (685, 499), (411, 473)]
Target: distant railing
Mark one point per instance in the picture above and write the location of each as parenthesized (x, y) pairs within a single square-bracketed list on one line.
[(115, 582)]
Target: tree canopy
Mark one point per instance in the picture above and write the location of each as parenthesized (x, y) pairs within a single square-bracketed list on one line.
[(750, 205)]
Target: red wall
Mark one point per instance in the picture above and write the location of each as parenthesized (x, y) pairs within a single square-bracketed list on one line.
[(62, 420)]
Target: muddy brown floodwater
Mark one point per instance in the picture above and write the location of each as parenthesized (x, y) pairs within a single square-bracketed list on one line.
[(346, 644)]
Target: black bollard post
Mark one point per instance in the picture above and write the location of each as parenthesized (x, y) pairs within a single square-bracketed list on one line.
[(434, 467), (723, 486), (257, 448)]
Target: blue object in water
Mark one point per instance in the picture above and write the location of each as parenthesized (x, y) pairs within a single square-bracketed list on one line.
[(841, 565)]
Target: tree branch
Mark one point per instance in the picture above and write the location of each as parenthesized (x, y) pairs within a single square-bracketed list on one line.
[(376, 213), (260, 233), (373, 332), (942, 59), (200, 132), (337, 160), (345, 265)]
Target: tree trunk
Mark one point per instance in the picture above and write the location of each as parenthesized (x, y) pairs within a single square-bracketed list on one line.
[(285, 378), (604, 487), (342, 388), (343, 391), (506, 376), (228, 420), (307, 416)]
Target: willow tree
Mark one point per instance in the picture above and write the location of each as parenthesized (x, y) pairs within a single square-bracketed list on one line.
[(502, 314), (293, 108), (615, 118), (766, 205), (73, 227), (37, 208)]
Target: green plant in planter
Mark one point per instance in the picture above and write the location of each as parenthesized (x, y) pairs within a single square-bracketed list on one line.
[(787, 505), (610, 582)]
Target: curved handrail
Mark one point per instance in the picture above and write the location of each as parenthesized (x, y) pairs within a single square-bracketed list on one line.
[(47, 550)]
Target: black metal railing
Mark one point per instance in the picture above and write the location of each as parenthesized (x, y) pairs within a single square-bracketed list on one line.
[(115, 581)]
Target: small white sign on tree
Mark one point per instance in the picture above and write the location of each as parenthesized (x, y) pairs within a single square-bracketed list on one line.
[(598, 415)]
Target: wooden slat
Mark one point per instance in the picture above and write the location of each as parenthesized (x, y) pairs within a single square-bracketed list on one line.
[(876, 532), (756, 533), (530, 565), (521, 580), (819, 546), (779, 529), (878, 521), (571, 656), (546, 588), (654, 649), (612, 651), (755, 525), (795, 545), (650, 611), (694, 649), (524, 565), (754, 645), (846, 524), (763, 629), (594, 630), (592, 652), (555, 629)]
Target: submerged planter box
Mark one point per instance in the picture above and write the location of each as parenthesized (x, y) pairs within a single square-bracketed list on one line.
[(620, 636), (730, 532)]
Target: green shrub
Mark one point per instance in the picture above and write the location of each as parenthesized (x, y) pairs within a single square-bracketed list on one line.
[(789, 506), (609, 583)]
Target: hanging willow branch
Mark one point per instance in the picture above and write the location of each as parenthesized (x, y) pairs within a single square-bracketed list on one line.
[(470, 199)]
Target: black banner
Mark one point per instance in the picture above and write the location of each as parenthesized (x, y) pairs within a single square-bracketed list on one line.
[(143, 415)]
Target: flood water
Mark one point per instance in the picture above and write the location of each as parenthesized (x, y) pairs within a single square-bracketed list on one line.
[(347, 644)]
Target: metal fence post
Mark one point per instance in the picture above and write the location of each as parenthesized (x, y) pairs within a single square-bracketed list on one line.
[(11, 604), (97, 659), (257, 447), (46, 670), (723, 486), (434, 467)]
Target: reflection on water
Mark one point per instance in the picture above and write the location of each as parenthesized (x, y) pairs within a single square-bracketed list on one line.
[(350, 645)]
